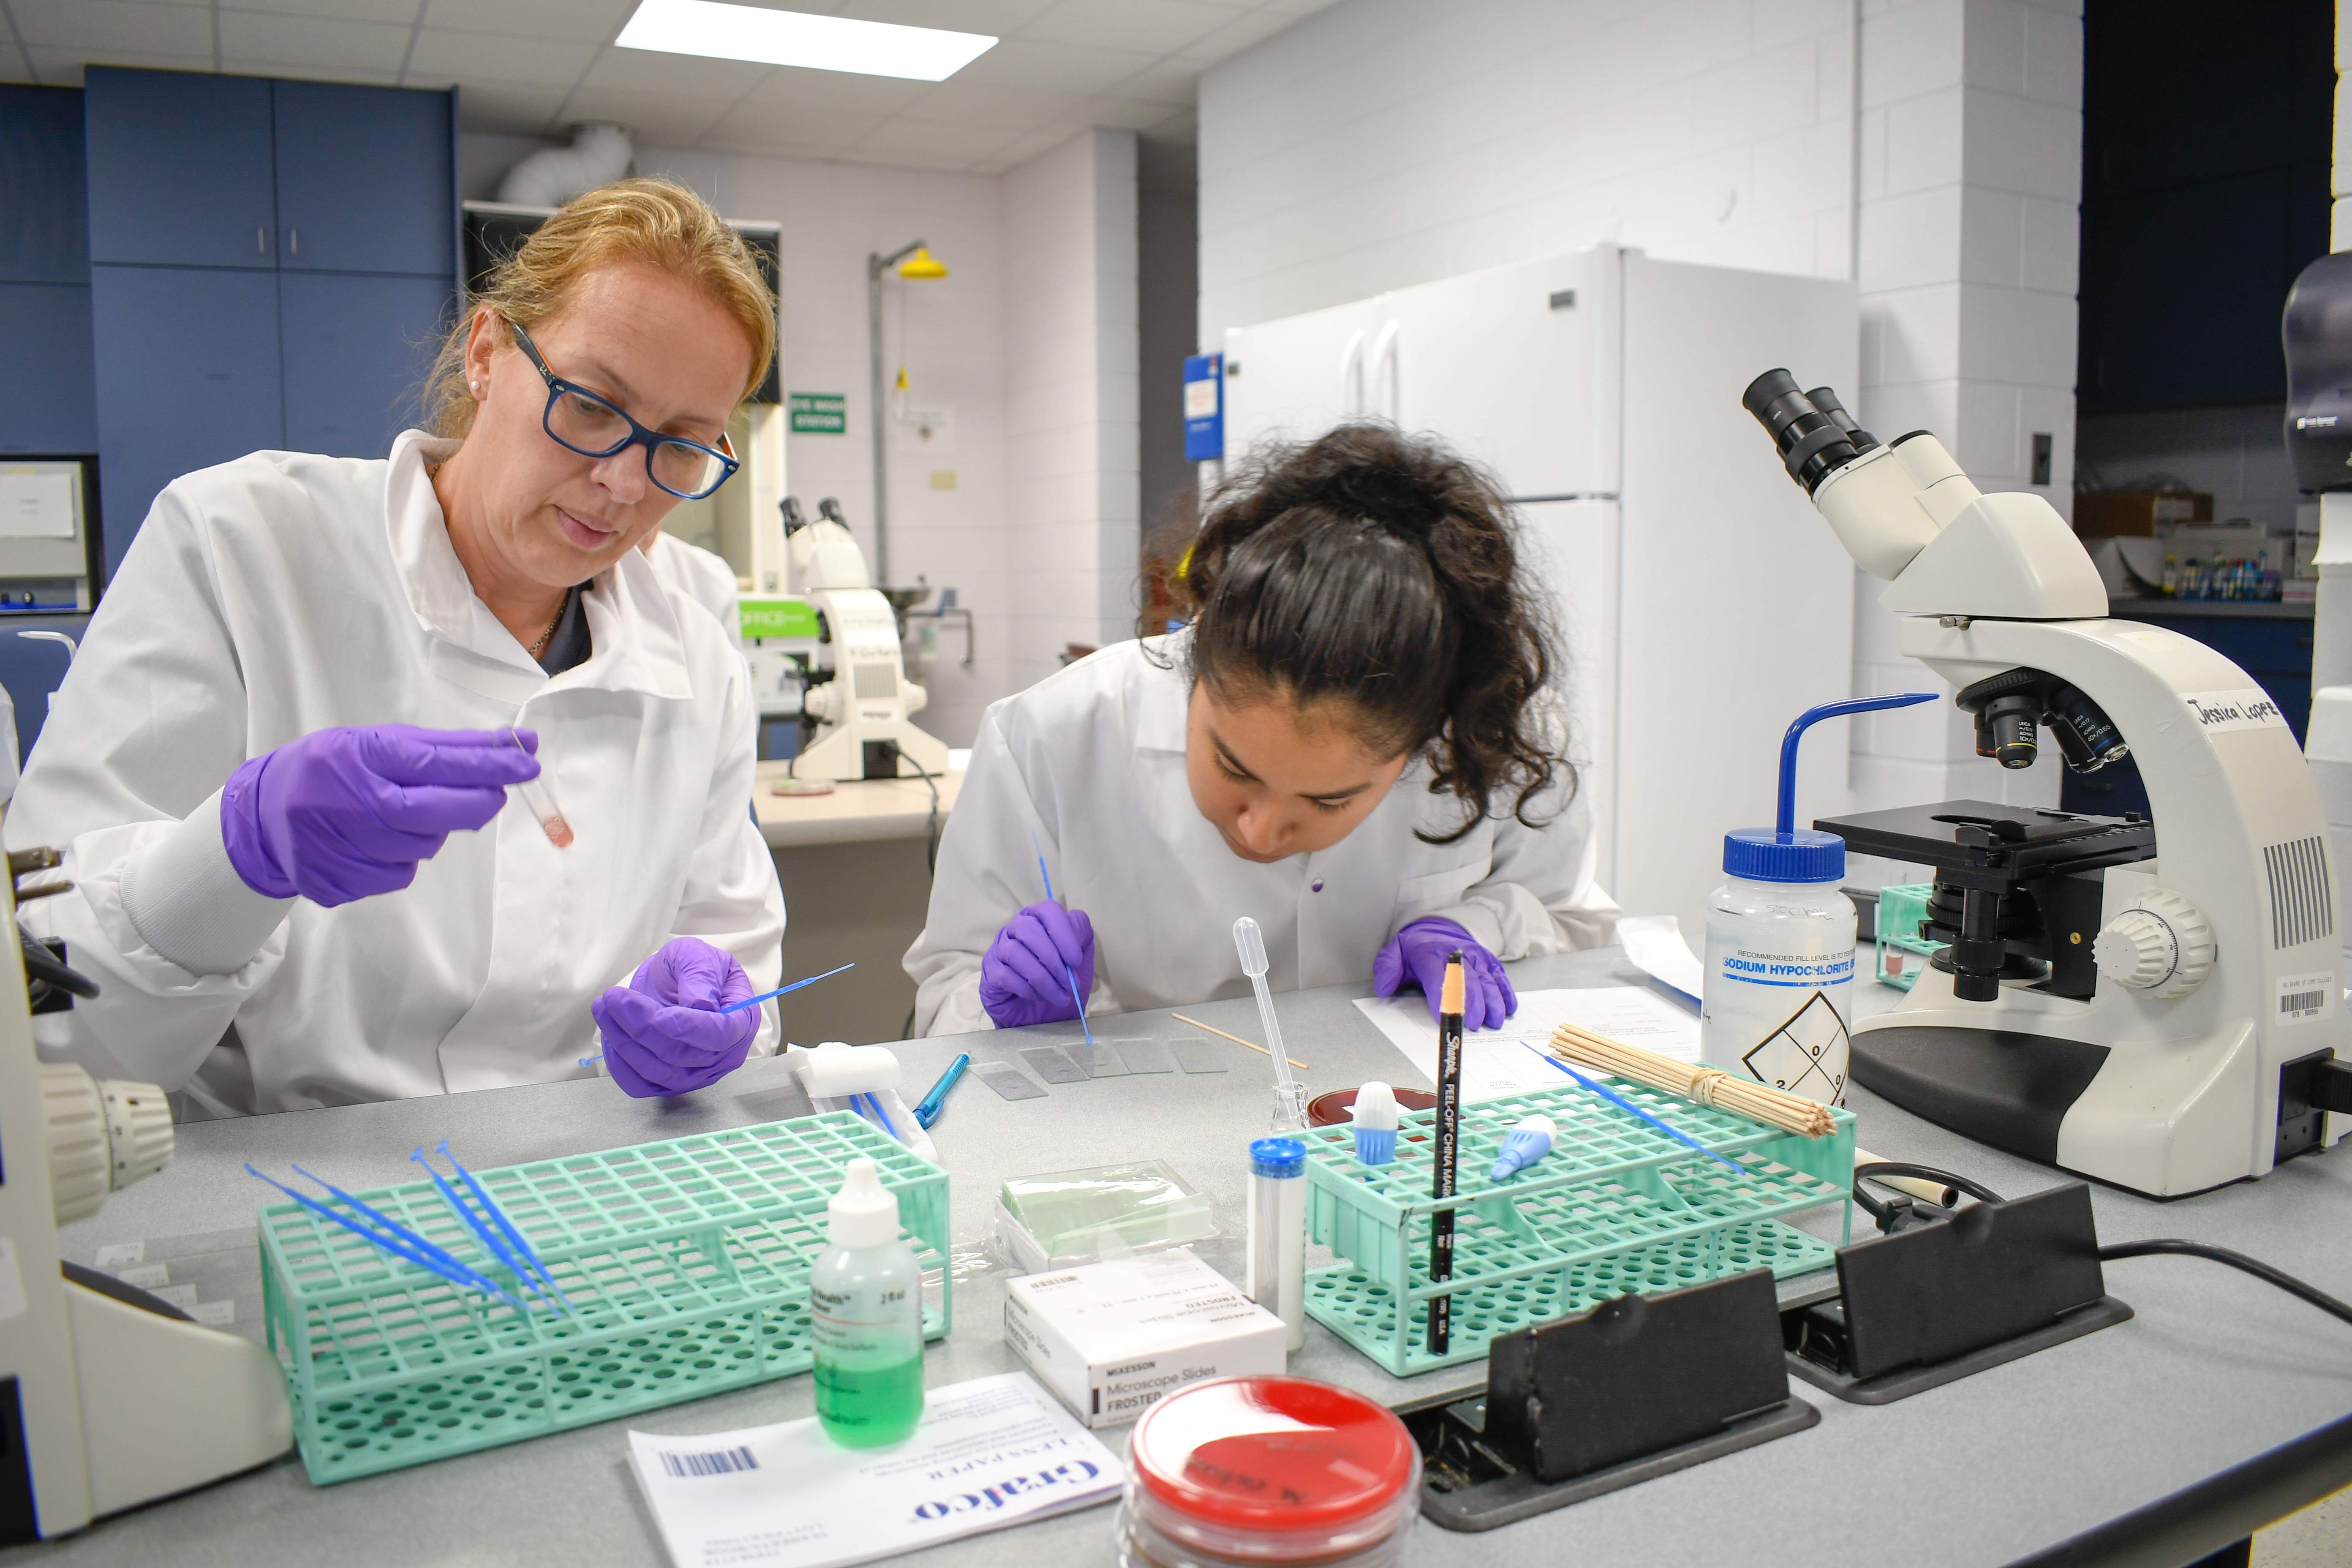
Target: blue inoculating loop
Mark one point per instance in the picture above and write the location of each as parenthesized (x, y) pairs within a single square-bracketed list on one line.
[(1785, 853)]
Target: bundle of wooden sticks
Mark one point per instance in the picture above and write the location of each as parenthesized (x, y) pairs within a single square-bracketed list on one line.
[(1705, 1085)]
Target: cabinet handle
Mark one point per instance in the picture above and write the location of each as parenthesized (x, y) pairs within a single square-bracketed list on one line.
[(261, 242), (294, 242)]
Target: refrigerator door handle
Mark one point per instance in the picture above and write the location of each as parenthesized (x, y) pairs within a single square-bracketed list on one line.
[(1351, 375), (1385, 385)]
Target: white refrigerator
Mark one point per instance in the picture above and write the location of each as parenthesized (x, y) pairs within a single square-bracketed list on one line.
[(1703, 601)]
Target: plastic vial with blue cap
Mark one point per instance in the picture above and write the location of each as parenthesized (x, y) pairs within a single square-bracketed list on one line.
[(1780, 940), (1277, 1233)]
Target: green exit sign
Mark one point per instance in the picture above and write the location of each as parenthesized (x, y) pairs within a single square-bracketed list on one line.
[(819, 414)]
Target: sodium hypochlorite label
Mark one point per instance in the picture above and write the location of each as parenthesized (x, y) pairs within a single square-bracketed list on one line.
[(1779, 1015)]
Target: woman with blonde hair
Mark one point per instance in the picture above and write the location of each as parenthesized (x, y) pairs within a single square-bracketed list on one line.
[(280, 767)]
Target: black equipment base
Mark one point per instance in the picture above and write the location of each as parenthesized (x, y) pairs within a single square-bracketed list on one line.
[(1997, 1086), (1904, 1382), (1478, 1489)]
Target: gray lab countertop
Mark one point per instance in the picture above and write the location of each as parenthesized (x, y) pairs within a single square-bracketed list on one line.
[(2215, 1370)]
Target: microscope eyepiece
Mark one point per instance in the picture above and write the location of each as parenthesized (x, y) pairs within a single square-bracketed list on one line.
[(1826, 400), (1812, 445)]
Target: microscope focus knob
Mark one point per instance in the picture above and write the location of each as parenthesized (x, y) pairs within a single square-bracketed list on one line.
[(822, 703), (2160, 942)]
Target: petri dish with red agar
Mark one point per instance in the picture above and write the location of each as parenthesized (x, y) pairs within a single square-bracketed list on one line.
[(1265, 1471)]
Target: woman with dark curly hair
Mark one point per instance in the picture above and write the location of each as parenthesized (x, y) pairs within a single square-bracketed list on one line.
[(1356, 742)]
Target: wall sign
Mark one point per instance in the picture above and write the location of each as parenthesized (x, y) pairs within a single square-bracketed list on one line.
[(819, 414)]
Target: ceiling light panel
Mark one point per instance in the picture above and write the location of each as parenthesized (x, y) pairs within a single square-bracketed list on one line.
[(795, 38)]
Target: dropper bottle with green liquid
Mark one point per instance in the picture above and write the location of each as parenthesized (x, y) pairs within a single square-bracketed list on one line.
[(866, 1309)]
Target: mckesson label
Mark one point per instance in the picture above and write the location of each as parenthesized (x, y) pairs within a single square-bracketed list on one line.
[(2217, 711)]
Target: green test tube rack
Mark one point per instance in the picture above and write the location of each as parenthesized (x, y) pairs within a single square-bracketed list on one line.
[(688, 1262), (1616, 1208)]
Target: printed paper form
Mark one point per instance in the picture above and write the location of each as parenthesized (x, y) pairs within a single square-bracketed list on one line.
[(1495, 1062), (990, 1452)]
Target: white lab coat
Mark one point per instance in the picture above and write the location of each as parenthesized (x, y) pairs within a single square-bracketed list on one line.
[(703, 578), (1091, 762), (282, 594)]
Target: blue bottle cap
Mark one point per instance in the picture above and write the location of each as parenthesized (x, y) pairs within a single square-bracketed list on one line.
[(1762, 854), (1278, 1157)]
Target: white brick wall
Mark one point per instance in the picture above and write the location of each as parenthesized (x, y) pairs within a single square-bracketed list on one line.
[(1386, 143), (1072, 463), (1971, 174)]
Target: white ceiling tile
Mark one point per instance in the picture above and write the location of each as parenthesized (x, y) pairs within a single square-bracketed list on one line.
[(574, 21), (401, 11), (1131, 113), (308, 43), (981, 104), (1173, 82), (668, 120), (349, 74), (1161, 26), (1044, 139), (720, 82), (751, 123), (103, 29), (1065, 68), (930, 139), (63, 68), (537, 62), (997, 18), (513, 107), (842, 92), (1238, 34)]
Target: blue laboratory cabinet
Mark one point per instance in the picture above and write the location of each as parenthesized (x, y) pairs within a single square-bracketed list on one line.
[(48, 398), (271, 262)]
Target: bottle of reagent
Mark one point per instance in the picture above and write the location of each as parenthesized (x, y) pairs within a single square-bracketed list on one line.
[(866, 1318), (1776, 996)]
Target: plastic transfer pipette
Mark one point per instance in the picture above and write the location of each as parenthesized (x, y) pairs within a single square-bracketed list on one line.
[(537, 795), (1289, 1097), (1067, 972)]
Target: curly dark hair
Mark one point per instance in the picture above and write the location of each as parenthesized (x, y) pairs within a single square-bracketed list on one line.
[(1382, 571)]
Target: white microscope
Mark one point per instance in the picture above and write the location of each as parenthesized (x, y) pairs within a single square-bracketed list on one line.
[(865, 712), (2162, 1016), (109, 1397)]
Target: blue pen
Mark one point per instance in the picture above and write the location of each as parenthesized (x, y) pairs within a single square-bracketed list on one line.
[(1047, 878), (1621, 1103), (928, 1110)]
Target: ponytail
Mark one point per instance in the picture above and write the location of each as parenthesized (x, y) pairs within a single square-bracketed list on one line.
[(1379, 571)]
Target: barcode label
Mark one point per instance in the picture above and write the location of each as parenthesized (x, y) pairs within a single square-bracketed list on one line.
[(718, 1462), (2303, 998)]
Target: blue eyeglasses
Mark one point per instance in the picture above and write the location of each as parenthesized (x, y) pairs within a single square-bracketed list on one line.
[(580, 421)]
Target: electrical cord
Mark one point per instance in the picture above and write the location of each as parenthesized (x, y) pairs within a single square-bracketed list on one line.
[(2172, 1246), (1879, 1211), (2238, 1260)]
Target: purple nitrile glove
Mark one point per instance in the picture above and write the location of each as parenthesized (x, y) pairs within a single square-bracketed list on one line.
[(346, 814), (1418, 953), (1021, 976), (663, 1031)]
